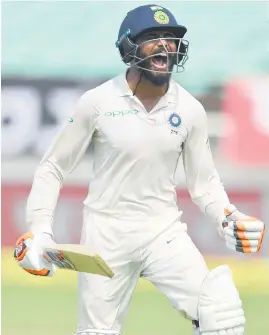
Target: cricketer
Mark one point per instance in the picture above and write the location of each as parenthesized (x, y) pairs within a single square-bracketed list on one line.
[(140, 123)]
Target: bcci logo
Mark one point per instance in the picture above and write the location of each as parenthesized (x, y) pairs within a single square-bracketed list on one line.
[(161, 17), (174, 122)]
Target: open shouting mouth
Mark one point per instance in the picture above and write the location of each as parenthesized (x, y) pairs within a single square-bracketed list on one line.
[(159, 62)]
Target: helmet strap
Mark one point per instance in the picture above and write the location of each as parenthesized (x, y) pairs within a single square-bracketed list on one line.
[(139, 81)]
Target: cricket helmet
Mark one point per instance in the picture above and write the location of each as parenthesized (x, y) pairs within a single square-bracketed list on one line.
[(149, 18)]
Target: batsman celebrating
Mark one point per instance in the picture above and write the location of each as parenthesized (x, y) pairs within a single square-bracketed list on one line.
[(140, 123)]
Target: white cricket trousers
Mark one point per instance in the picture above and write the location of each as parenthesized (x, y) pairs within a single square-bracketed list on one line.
[(160, 252)]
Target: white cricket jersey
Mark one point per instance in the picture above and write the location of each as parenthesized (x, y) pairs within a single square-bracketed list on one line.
[(136, 154)]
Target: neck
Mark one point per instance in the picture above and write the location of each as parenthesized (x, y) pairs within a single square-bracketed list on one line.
[(142, 87)]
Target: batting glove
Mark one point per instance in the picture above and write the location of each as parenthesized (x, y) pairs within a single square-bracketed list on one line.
[(29, 254), (242, 233)]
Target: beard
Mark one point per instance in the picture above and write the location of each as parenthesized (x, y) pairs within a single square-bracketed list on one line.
[(155, 78)]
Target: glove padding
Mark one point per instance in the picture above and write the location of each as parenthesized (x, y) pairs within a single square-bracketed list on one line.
[(241, 232), (29, 254)]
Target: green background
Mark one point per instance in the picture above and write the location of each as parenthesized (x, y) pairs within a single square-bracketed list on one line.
[(33, 305)]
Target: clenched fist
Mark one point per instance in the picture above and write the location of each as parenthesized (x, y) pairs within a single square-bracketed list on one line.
[(30, 256), (242, 233)]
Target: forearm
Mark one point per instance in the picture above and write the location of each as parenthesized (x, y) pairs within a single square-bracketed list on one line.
[(213, 202), (214, 210), (43, 198)]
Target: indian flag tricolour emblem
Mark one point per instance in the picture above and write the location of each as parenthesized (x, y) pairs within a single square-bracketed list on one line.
[(156, 8)]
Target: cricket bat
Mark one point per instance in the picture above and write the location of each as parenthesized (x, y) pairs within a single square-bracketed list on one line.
[(76, 257)]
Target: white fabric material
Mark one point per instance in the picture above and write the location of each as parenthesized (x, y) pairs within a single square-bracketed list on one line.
[(33, 259), (160, 252), (136, 154), (231, 331), (220, 307), (195, 329)]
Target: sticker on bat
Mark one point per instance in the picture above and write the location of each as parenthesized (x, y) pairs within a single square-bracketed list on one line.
[(57, 258)]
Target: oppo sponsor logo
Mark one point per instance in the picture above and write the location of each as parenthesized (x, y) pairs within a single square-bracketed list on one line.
[(122, 113)]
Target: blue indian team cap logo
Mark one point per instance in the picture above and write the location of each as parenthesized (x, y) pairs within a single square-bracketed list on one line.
[(174, 120)]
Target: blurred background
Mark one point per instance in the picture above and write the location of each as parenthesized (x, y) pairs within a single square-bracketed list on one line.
[(52, 52)]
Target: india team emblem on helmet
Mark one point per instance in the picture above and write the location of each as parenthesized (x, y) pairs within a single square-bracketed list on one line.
[(174, 120), (161, 17)]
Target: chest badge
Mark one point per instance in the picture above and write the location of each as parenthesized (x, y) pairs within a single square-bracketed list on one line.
[(174, 122)]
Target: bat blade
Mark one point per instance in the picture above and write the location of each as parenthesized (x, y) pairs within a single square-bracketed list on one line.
[(77, 258)]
